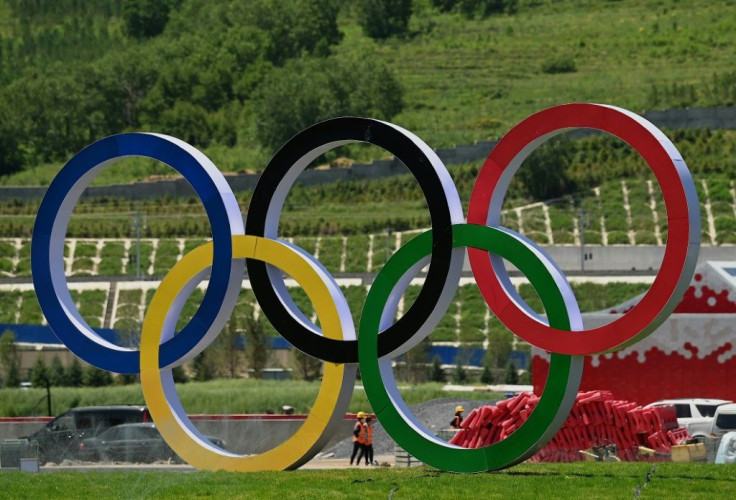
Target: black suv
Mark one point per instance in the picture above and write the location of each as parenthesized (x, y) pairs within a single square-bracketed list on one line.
[(60, 438)]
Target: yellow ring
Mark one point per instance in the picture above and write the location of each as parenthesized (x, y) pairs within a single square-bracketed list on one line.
[(158, 387)]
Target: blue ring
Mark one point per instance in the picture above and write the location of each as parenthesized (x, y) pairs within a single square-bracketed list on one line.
[(214, 193)]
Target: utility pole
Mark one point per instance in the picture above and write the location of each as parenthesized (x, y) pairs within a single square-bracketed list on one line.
[(48, 397), (137, 227), (582, 224), (138, 245)]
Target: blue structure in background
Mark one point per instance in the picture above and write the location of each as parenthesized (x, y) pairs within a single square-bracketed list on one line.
[(469, 356), (42, 334), (473, 356)]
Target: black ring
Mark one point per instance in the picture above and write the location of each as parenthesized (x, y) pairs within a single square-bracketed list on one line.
[(282, 171)]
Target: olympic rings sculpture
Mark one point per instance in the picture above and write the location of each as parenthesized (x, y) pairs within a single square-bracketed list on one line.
[(381, 338)]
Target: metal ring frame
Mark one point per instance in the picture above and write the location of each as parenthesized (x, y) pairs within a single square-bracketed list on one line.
[(381, 338)]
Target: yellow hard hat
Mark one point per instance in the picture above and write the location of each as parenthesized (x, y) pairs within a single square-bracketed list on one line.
[(459, 408), (361, 414)]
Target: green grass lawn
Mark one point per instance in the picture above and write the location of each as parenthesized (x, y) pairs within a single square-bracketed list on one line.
[(580, 480)]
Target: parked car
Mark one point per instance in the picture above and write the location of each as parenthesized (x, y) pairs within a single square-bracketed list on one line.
[(60, 438), (696, 415), (132, 443), (724, 420)]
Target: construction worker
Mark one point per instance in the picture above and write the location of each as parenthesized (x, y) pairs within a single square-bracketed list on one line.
[(458, 418), (359, 434), (369, 440)]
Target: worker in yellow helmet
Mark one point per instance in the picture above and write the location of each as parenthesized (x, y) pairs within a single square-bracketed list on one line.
[(458, 418), (359, 438)]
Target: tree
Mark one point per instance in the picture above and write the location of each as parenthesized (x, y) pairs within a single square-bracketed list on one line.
[(12, 377), (204, 366), (10, 156), (384, 18), (257, 345), (145, 18), (499, 344), (289, 29), (8, 359), (486, 377), (75, 374), (57, 374), (460, 376), (117, 86), (95, 377), (188, 122), (544, 174), (308, 367), (39, 372), (438, 373), (229, 345), (472, 8), (512, 375), (126, 378), (316, 90), (415, 363), (180, 375), (50, 113)]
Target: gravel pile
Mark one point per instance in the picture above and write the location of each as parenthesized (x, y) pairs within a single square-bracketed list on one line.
[(435, 414)]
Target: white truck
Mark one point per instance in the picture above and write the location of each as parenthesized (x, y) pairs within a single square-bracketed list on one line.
[(695, 415)]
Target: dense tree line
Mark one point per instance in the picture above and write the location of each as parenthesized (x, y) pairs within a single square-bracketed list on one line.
[(207, 72), (483, 8)]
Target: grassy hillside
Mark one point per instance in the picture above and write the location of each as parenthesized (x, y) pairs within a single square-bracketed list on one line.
[(467, 80), (464, 79)]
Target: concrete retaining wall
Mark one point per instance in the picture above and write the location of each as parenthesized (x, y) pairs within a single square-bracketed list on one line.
[(15, 428), (244, 436), (624, 258)]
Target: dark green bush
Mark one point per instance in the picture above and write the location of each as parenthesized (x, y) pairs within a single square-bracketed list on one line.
[(384, 18), (559, 64)]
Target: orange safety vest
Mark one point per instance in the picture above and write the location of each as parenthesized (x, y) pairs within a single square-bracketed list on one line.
[(360, 438), (368, 434)]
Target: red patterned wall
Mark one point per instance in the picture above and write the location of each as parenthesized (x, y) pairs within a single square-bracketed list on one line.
[(693, 354), (662, 376)]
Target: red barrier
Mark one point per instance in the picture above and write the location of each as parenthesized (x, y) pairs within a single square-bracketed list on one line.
[(596, 420)]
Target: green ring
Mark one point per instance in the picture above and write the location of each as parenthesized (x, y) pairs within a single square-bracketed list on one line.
[(559, 392)]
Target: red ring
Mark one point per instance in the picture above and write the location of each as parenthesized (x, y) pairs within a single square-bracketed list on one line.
[(683, 238)]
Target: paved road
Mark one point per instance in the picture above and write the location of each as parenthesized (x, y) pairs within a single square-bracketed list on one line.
[(314, 464)]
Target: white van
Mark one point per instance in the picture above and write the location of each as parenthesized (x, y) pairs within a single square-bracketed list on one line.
[(724, 420)]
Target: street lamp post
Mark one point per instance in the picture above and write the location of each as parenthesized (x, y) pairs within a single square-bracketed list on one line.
[(388, 243), (137, 226)]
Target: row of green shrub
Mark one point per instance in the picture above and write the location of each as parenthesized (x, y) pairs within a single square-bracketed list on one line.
[(362, 207), (465, 320)]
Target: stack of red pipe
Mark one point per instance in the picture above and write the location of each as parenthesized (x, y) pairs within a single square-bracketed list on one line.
[(596, 420)]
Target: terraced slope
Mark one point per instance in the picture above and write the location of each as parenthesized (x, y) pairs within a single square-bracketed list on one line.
[(629, 212), (467, 322)]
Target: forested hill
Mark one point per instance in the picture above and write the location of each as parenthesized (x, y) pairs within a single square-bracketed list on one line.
[(203, 71), (238, 77)]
